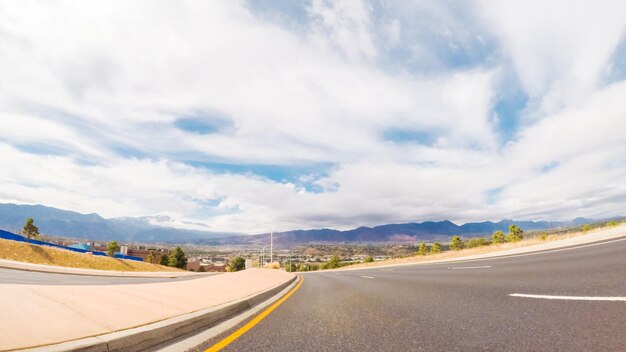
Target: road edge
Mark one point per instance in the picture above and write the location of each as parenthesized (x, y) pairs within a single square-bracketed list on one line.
[(158, 333)]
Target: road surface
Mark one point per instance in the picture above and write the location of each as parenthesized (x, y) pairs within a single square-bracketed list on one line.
[(463, 306), (12, 276)]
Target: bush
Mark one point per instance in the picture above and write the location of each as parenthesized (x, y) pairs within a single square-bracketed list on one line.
[(177, 258), (498, 237), (586, 228), (112, 247), (236, 264), (515, 233), (456, 244), (423, 249), (30, 230), (368, 259), (436, 248), (476, 242), (611, 223), (544, 236), (164, 260), (291, 267), (334, 262)]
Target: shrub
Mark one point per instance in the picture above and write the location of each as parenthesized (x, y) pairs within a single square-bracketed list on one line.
[(498, 237), (611, 223), (423, 249), (456, 244), (236, 264), (30, 230), (164, 260), (512, 238), (436, 248), (112, 247), (272, 265), (476, 242), (177, 258), (515, 233), (544, 236), (368, 259), (586, 228)]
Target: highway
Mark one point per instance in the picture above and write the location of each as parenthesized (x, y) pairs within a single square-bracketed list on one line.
[(462, 306), (12, 276)]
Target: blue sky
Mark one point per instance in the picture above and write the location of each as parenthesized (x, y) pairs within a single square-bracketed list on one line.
[(251, 116)]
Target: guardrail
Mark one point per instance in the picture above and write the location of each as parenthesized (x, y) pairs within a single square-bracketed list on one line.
[(13, 237)]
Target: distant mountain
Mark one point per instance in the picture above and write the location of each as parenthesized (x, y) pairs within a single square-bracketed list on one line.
[(392, 233), (64, 223), (52, 221)]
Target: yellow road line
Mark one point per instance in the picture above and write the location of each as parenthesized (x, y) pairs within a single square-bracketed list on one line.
[(234, 336)]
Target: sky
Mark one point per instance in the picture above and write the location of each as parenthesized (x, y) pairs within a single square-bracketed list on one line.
[(254, 116)]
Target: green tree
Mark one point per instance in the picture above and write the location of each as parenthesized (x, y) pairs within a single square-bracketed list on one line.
[(30, 230), (423, 249), (112, 247), (476, 242), (515, 233), (164, 260), (236, 264), (456, 244), (586, 228), (291, 267), (177, 258), (498, 237), (150, 258), (436, 248), (368, 259), (333, 262)]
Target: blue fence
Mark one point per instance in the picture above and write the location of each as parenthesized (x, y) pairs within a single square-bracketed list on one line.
[(13, 237)]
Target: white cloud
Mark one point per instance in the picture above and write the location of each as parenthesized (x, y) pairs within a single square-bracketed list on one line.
[(103, 86), (560, 49)]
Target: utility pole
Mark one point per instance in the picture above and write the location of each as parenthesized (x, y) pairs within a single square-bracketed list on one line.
[(272, 247)]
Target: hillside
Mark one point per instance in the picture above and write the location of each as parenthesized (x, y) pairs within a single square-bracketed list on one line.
[(31, 253), (57, 222)]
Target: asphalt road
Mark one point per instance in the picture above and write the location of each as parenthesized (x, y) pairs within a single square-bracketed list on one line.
[(463, 306), (12, 276)]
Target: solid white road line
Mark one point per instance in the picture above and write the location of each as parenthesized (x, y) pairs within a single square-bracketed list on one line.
[(571, 298), (367, 277), (470, 267)]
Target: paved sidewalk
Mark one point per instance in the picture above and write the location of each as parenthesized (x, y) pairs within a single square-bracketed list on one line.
[(35, 315), (11, 264)]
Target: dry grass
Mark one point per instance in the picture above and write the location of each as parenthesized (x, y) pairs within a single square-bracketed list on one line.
[(30, 253), (467, 252)]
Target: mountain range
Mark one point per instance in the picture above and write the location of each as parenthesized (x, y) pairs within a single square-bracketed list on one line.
[(63, 223), (394, 233)]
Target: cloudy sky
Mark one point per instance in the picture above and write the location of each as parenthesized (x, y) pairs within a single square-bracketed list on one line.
[(252, 116)]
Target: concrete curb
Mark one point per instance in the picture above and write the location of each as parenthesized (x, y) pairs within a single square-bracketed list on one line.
[(154, 334), (10, 264)]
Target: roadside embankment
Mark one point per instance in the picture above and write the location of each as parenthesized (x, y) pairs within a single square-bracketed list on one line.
[(13, 253), (43, 315), (504, 249)]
